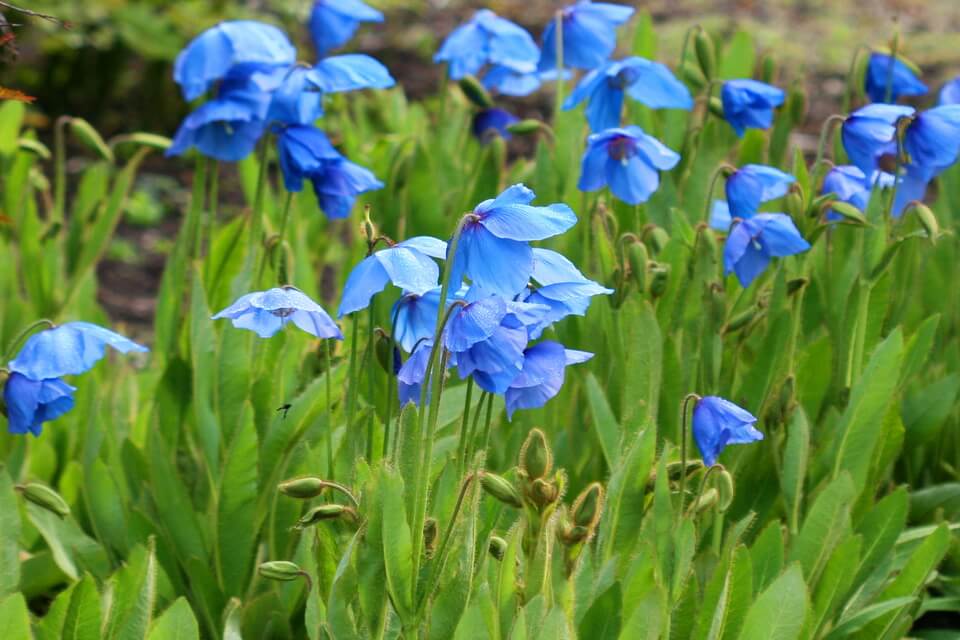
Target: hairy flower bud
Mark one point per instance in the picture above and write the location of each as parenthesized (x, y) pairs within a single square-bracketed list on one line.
[(536, 459), (588, 505), (543, 493), (44, 496), (430, 531), (282, 570), (927, 220), (501, 489), (638, 258), (659, 273), (706, 53), (498, 547), (715, 106)]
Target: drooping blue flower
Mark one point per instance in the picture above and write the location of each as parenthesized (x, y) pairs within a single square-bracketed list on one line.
[(849, 184), (950, 92), (749, 104), (30, 403), (306, 153), (228, 127), (408, 265), (511, 82), (932, 140), (487, 38), (589, 32), (717, 423), (266, 312), (67, 349), (333, 22), (647, 82), (493, 122), (413, 372), (870, 132), (883, 72), (416, 317), (753, 242), (493, 249), (561, 287), (542, 374), (230, 48), (747, 189), (628, 161)]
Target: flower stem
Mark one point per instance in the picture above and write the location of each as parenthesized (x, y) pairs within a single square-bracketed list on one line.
[(558, 104), (352, 377), (370, 380), (464, 424), (60, 168), (391, 387), (683, 450), (8, 354), (284, 221), (486, 423), (328, 374)]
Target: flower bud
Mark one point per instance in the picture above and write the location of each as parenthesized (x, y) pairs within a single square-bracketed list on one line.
[(659, 273), (588, 505), (848, 211), (498, 547), (325, 512), (741, 320), (691, 74), (543, 493), (658, 238), (501, 489), (575, 534), (725, 487), (525, 127), (709, 498), (89, 136), (536, 459), (430, 531), (706, 53), (638, 258), (44, 496), (794, 204), (304, 488), (280, 570), (475, 92), (715, 106), (927, 220)]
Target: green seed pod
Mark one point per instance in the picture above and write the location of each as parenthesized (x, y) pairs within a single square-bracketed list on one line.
[(303, 488), (430, 532), (525, 127), (638, 258), (45, 497), (324, 512), (498, 547), (543, 493), (706, 53), (91, 138), (768, 69), (501, 489), (658, 239), (475, 92), (726, 489), (715, 106), (280, 570), (588, 506), (34, 146), (536, 459), (927, 220), (709, 498), (658, 283), (794, 204)]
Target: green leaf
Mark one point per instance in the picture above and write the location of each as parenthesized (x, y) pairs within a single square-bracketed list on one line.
[(925, 411), (132, 596), (795, 458), (604, 422), (176, 623), (236, 508), (9, 535), (398, 553), (738, 56), (11, 118), (14, 618), (826, 524), (862, 618), (604, 617), (880, 529), (107, 513), (624, 508), (82, 620), (838, 578), (641, 364), (779, 612)]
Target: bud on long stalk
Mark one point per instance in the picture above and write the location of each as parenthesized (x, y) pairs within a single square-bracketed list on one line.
[(536, 459)]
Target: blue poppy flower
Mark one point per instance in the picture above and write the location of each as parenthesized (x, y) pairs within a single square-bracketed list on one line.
[(416, 317), (932, 139), (749, 104), (493, 249), (511, 82), (492, 122), (266, 312), (306, 153), (237, 47), (870, 132), (647, 82), (333, 22), (849, 184), (754, 184), (68, 349), (950, 92), (541, 376), (487, 38), (408, 265), (717, 423), (912, 186), (228, 127), (296, 99), (30, 403), (628, 161), (589, 34), (561, 288), (753, 242), (886, 71)]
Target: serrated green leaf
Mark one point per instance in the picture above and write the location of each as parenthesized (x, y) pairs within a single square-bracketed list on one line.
[(779, 612)]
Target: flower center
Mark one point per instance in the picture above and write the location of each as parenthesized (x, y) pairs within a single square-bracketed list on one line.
[(620, 148), (283, 313)]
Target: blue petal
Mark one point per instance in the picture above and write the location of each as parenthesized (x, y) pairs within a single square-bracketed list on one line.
[(720, 218), (950, 92), (752, 185), (550, 267), (365, 281), (333, 22), (350, 72), (495, 264), (293, 101), (779, 236), (465, 50), (416, 318), (655, 153), (510, 45), (654, 85), (433, 247), (525, 222), (68, 349), (883, 71), (933, 138), (632, 179), (474, 323), (303, 151), (605, 106), (317, 323), (593, 174), (338, 185), (585, 88), (409, 269)]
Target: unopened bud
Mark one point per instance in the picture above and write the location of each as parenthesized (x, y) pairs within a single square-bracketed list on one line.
[(304, 488), (706, 500), (690, 73), (725, 487), (325, 512), (706, 53), (430, 531), (280, 570), (498, 547), (501, 489), (848, 211), (475, 92), (575, 534), (91, 138), (659, 273), (658, 238), (525, 127), (588, 505), (716, 106), (638, 258), (543, 493), (794, 204), (927, 220), (44, 496), (536, 459)]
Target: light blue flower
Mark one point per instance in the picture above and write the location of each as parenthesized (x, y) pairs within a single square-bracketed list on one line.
[(589, 34), (628, 161), (493, 122), (850, 185), (647, 82), (266, 312), (30, 403), (717, 423), (950, 92), (68, 349), (541, 376), (870, 132), (749, 104), (488, 39), (753, 242), (886, 71), (333, 22), (239, 47), (413, 372), (932, 140), (561, 287), (493, 249), (511, 82), (408, 265)]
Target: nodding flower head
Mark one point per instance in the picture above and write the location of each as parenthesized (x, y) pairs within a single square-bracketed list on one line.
[(888, 78), (749, 104), (333, 22), (488, 39), (589, 34), (753, 242), (628, 161), (266, 312), (717, 423)]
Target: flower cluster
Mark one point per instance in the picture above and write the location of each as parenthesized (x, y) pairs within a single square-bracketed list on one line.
[(256, 86), (35, 391)]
